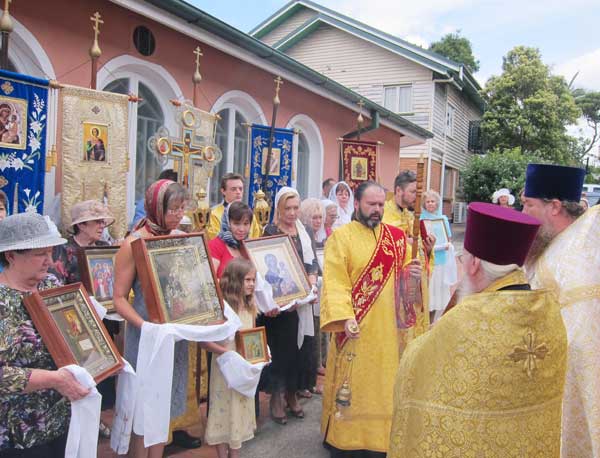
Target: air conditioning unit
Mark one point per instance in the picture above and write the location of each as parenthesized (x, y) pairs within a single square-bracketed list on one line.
[(459, 212)]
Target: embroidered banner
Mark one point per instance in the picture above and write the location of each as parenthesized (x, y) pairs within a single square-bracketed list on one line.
[(94, 155), (23, 122), (280, 173), (359, 161)]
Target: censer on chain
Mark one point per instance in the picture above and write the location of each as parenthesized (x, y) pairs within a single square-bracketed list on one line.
[(343, 395)]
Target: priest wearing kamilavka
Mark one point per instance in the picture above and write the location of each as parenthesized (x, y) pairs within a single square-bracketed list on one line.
[(365, 262), (566, 258), (232, 190), (487, 380)]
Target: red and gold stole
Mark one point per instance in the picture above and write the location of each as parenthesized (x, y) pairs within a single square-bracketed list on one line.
[(387, 259)]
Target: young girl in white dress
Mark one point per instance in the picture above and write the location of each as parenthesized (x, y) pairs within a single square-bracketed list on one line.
[(231, 417)]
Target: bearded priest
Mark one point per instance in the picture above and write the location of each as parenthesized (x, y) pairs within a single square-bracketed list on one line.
[(366, 262), (566, 258), (487, 379)]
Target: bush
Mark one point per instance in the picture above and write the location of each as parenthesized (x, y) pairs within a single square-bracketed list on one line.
[(499, 169)]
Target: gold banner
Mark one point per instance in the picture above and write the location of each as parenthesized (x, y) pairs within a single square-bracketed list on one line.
[(94, 152)]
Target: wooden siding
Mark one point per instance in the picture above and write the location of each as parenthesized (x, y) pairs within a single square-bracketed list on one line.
[(287, 27), (365, 68)]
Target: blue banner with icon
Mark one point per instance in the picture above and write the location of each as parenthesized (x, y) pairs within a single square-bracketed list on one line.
[(23, 124), (280, 166)]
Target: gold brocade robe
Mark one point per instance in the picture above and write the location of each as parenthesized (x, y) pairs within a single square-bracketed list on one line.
[(463, 389), (214, 224), (404, 219), (571, 266), (366, 423)]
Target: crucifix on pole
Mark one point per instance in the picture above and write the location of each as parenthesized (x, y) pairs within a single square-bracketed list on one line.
[(95, 51), (197, 76), (6, 27)]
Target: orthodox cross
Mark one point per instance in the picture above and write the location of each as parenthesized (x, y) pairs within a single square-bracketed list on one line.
[(95, 51), (6, 27), (183, 150), (529, 354), (197, 76)]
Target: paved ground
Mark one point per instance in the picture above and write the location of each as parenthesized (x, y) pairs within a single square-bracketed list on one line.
[(297, 439)]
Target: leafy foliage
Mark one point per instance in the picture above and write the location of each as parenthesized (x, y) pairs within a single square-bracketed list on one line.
[(529, 108), (498, 169), (589, 104), (457, 48)]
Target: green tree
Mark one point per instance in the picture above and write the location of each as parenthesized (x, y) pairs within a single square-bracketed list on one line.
[(457, 48), (589, 104), (485, 174), (529, 108)]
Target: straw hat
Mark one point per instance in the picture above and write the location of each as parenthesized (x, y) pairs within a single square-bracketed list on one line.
[(503, 192), (90, 210), (25, 231)]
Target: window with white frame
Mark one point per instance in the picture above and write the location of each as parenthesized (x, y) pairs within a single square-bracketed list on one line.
[(398, 98), (232, 138), (303, 166), (149, 118), (450, 115)]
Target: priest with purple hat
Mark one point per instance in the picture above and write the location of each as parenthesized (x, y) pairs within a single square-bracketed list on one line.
[(487, 379), (565, 257)]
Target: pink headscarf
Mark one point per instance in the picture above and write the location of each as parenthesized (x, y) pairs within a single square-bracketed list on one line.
[(154, 204)]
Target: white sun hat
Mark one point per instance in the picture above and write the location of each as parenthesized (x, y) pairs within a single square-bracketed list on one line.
[(26, 231), (503, 192)]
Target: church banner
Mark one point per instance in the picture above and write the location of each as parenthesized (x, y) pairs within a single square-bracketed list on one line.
[(23, 125), (280, 167), (359, 161), (94, 154)]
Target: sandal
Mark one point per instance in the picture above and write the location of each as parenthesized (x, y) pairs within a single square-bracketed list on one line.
[(279, 420), (297, 413), (305, 394), (104, 431)]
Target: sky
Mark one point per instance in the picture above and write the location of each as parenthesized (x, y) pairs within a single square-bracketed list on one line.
[(566, 32)]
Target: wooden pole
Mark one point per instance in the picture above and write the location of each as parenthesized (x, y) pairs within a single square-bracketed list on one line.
[(197, 76), (276, 102), (95, 51), (417, 223)]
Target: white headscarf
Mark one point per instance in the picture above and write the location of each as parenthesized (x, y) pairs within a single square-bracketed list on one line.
[(344, 214), (307, 252)]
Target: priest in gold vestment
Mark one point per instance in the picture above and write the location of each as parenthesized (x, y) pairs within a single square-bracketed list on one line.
[(398, 213), (364, 261), (487, 380), (566, 258)]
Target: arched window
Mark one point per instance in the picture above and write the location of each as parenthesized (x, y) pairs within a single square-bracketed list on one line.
[(232, 138), (308, 149), (149, 118), (302, 166)]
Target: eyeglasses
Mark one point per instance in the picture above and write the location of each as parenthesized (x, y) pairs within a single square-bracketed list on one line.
[(176, 211)]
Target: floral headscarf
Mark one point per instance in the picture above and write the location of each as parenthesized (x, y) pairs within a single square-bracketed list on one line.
[(154, 204), (225, 232)]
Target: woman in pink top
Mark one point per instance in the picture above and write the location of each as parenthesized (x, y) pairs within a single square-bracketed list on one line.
[(235, 226)]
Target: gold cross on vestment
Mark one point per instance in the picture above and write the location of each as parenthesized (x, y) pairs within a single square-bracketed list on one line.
[(96, 19), (529, 354)]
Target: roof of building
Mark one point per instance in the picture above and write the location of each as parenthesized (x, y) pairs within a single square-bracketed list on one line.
[(443, 66), (195, 17)]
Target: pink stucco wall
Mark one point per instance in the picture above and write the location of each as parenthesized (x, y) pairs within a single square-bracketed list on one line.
[(64, 31)]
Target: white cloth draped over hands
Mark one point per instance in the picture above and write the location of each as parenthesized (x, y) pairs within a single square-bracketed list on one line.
[(155, 370), (120, 434), (82, 438), (239, 374), (263, 293)]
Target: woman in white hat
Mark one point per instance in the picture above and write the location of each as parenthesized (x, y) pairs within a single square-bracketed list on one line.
[(34, 395), (504, 198), (88, 220)]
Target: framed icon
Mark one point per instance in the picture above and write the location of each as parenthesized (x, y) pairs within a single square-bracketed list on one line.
[(72, 330), (178, 279), (97, 266), (437, 227), (95, 142), (252, 345), (279, 264)]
